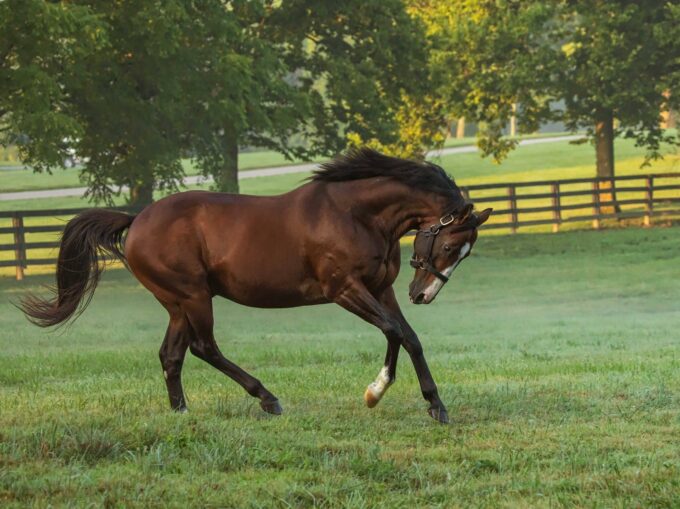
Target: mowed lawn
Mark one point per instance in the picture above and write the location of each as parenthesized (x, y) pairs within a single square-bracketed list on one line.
[(558, 357)]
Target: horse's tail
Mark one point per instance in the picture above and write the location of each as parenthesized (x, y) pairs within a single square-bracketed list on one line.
[(87, 240)]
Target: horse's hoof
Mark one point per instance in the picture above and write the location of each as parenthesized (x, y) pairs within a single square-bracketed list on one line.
[(272, 407), (370, 398), (439, 414)]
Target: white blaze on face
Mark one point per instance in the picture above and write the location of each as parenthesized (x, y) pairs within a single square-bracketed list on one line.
[(375, 391), (433, 289)]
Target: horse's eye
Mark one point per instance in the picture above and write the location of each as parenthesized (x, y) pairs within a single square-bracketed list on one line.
[(447, 247)]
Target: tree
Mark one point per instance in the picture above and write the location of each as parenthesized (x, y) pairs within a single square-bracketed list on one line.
[(368, 61), (167, 78), (37, 40), (605, 61), (137, 86)]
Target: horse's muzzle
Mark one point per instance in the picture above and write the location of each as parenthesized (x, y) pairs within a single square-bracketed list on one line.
[(418, 294)]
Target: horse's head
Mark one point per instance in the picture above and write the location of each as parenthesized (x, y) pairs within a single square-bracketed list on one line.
[(439, 249)]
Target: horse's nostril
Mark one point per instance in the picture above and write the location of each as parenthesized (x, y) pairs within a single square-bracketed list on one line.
[(419, 299)]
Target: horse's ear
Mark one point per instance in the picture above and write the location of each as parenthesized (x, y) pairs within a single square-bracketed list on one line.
[(483, 216), (465, 212)]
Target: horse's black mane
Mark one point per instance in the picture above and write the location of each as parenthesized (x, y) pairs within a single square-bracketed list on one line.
[(364, 163)]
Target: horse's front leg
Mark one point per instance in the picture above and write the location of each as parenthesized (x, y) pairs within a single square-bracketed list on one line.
[(412, 345), (388, 374), (386, 315)]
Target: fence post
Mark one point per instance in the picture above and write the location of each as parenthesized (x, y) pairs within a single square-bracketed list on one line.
[(512, 202), (557, 207), (597, 209), (615, 198), (649, 196), (19, 245)]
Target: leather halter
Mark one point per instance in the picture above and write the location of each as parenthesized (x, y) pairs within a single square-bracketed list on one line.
[(424, 261)]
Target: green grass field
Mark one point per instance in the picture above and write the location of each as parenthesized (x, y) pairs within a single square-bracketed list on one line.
[(558, 357)]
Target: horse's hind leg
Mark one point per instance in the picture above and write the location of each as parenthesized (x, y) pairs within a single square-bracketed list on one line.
[(172, 354), (203, 346)]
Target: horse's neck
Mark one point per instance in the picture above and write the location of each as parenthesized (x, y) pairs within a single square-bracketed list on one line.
[(396, 209)]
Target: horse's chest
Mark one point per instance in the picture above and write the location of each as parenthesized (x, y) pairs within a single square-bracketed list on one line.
[(380, 274)]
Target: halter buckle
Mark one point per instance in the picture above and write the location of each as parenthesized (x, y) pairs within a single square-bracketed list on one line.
[(448, 219)]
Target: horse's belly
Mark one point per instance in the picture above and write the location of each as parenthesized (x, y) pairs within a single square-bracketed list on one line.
[(262, 293)]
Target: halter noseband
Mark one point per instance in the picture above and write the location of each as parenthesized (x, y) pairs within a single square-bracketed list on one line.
[(425, 262)]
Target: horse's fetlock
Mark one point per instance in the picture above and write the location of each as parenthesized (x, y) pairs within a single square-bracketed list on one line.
[(257, 390), (430, 394)]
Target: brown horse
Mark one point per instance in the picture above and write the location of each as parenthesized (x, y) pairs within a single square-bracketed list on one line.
[(334, 239)]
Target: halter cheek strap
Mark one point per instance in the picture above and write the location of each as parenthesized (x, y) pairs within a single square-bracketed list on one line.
[(425, 262)]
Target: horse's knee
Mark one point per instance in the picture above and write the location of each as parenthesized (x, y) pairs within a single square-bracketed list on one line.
[(393, 330)]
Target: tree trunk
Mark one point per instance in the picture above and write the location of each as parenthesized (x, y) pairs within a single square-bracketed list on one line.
[(513, 121), (460, 128), (668, 120), (604, 144), (141, 194), (226, 181), (449, 128), (604, 156)]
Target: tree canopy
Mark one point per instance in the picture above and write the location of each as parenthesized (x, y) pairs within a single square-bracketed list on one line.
[(133, 88), (39, 40), (587, 63)]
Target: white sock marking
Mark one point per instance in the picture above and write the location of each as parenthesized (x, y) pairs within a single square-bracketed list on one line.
[(381, 383)]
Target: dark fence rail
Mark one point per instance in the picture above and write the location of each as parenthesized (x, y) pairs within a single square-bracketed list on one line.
[(516, 205), (23, 236), (555, 202)]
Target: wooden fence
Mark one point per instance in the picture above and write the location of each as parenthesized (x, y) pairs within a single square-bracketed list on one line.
[(537, 204), (41, 240), (585, 200)]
